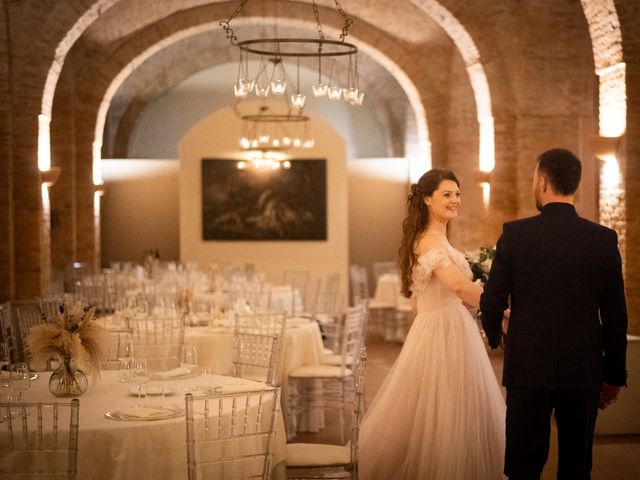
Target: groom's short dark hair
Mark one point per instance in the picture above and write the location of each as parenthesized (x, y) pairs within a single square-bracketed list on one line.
[(562, 168)]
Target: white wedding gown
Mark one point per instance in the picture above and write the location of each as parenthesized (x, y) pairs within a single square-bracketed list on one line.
[(440, 413)]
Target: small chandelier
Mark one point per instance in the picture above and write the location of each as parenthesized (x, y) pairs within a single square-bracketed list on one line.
[(264, 161), (271, 77), (269, 131)]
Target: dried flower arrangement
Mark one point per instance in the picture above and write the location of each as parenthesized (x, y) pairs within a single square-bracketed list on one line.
[(74, 334)]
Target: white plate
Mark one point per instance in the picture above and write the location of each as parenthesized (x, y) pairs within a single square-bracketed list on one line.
[(172, 411), (133, 390)]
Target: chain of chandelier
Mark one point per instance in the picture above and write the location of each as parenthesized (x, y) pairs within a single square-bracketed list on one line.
[(271, 77)]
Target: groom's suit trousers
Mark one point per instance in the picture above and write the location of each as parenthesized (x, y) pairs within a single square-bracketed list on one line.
[(528, 428)]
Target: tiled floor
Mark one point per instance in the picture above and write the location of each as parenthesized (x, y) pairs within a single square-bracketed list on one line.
[(614, 457)]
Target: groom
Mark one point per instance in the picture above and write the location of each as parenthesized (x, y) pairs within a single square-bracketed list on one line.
[(566, 343)]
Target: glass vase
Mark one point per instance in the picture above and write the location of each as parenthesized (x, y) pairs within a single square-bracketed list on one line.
[(67, 380)]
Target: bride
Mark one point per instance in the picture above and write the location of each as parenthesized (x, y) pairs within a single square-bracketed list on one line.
[(440, 413)]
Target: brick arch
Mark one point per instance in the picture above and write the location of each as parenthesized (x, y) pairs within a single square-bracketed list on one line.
[(479, 83), (607, 45), (437, 12), (209, 49), (154, 46)]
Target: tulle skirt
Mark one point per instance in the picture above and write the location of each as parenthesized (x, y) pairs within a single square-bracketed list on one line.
[(440, 413)]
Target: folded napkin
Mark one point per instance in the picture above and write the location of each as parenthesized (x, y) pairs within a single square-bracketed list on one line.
[(144, 413), (178, 372), (243, 387)]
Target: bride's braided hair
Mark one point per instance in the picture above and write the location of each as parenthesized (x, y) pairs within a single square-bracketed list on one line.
[(416, 221)]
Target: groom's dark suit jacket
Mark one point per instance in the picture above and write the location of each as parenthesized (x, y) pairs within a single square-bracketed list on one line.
[(568, 323)]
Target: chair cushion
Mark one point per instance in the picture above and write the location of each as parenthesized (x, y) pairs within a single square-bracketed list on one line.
[(336, 360), (302, 455), (378, 305), (327, 351), (315, 371)]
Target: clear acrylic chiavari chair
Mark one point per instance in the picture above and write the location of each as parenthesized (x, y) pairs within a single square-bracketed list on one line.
[(232, 436), (335, 379), (39, 440), (321, 460)]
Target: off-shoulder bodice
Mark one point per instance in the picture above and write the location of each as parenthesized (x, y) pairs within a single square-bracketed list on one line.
[(430, 292)]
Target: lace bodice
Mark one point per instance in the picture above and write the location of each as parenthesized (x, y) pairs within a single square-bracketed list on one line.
[(430, 292)]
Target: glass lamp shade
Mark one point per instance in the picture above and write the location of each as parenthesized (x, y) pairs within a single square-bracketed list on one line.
[(320, 89), (278, 87), (247, 84), (357, 100), (262, 90), (298, 100), (350, 94), (239, 91), (334, 92)]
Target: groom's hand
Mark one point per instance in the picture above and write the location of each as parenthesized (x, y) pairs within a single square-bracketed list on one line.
[(505, 320), (608, 395)]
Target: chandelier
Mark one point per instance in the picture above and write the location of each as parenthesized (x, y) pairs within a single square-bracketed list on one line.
[(272, 132), (264, 161), (271, 76)]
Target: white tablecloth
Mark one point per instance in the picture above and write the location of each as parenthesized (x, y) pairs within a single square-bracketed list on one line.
[(302, 346), (114, 450)]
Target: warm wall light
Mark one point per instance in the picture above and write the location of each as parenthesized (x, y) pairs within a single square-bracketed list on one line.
[(44, 143), (97, 160), (50, 177), (613, 100), (487, 145)]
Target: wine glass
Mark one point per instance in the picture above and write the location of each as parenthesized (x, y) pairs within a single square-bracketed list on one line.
[(139, 374), (189, 357), (19, 380)]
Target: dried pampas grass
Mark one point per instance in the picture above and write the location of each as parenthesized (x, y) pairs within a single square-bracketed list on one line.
[(74, 332)]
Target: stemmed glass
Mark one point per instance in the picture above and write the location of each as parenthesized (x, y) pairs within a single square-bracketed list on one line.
[(189, 357), (19, 379), (139, 374)]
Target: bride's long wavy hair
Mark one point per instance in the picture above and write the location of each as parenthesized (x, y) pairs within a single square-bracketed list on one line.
[(416, 221)]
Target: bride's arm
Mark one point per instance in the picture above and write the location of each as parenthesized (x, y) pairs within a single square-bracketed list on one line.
[(464, 288)]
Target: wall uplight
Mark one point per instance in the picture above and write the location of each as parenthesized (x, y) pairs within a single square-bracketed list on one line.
[(44, 143)]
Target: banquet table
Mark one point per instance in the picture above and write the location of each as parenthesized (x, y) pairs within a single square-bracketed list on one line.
[(302, 345), (113, 450)]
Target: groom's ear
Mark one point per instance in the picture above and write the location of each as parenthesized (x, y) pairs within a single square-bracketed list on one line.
[(544, 182)]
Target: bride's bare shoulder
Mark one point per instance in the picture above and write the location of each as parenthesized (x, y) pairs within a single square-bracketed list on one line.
[(428, 242)]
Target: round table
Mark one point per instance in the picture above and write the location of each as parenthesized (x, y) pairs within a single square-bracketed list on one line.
[(113, 450)]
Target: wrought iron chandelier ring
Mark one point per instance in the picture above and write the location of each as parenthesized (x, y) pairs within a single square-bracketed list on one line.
[(273, 118), (271, 47)]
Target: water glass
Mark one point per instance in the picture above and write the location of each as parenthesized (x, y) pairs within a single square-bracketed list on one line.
[(154, 395), (207, 377), (189, 357), (125, 356)]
